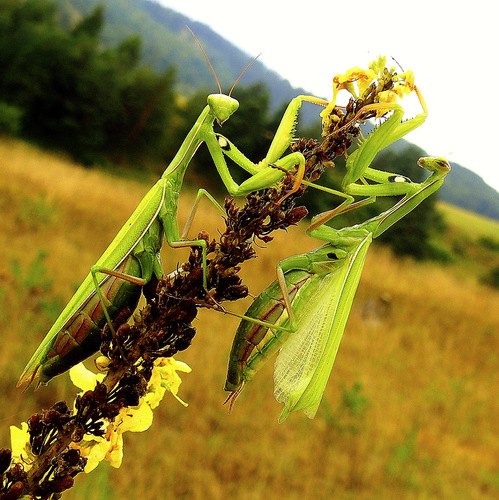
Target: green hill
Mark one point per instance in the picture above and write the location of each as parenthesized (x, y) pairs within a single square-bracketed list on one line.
[(166, 42), (468, 190)]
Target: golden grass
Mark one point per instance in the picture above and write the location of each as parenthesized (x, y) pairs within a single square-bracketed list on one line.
[(422, 342)]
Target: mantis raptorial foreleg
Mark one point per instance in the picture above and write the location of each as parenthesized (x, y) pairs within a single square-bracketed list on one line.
[(357, 165), (265, 169)]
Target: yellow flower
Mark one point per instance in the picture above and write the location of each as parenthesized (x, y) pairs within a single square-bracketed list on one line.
[(407, 80), (135, 419), (84, 379), (110, 446), (361, 77), (21, 449), (404, 84), (378, 66), (386, 97), (95, 449), (170, 381)]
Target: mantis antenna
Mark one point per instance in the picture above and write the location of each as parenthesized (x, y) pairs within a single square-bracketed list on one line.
[(207, 58), (244, 71), (213, 70)]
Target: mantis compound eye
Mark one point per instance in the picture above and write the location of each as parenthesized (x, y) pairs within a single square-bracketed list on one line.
[(337, 254)]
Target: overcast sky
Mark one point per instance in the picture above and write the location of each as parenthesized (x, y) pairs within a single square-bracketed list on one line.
[(450, 46)]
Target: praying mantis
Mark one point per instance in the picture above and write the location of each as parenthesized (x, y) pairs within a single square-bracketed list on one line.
[(113, 285), (304, 312), (319, 287)]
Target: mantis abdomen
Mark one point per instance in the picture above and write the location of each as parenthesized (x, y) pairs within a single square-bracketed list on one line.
[(76, 334), (268, 307), (80, 337)]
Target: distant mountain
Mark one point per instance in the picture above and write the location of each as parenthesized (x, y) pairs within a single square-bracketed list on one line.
[(462, 187), (468, 190), (166, 42)]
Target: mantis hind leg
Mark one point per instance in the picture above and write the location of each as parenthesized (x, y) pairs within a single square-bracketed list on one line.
[(136, 268), (145, 261), (193, 243), (201, 193), (182, 242), (94, 270)]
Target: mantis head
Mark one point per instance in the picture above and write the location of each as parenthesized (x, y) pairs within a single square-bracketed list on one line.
[(222, 106), (326, 258), (435, 164)]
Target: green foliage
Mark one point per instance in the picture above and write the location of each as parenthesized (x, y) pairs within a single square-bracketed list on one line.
[(348, 416), (34, 286), (438, 252), (491, 278), (405, 462), (90, 26), (354, 400), (489, 243), (34, 212), (35, 277), (71, 94), (10, 119)]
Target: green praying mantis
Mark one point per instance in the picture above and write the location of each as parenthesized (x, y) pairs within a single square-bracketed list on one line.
[(304, 312), (113, 285)]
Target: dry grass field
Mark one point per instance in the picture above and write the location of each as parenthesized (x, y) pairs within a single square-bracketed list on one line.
[(410, 411)]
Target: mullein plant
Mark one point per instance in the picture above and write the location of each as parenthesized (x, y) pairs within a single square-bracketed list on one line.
[(136, 368)]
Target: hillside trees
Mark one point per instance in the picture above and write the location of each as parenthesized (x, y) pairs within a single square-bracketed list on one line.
[(62, 89)]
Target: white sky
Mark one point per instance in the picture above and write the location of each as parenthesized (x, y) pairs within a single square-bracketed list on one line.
[(451, 47)]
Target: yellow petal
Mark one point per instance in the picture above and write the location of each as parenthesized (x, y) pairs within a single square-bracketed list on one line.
[(115, 453), (21, 449), (95, 452), (84, 379), (378, 66), (167, 368), (135, 419)]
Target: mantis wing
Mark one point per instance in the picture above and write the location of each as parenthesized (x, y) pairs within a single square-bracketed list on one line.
[(124, 243), (305, 361)]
